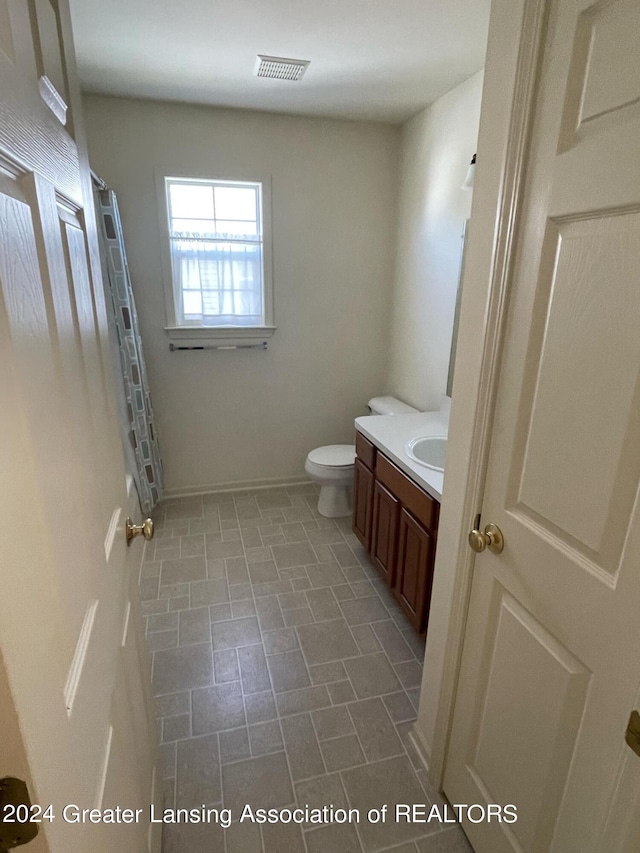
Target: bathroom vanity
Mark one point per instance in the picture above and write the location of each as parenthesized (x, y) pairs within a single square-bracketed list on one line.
[(396, 506)]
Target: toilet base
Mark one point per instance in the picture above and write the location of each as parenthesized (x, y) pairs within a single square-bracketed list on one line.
[(335, 501)]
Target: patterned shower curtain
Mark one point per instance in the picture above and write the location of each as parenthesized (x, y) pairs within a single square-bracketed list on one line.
[(136, 412)]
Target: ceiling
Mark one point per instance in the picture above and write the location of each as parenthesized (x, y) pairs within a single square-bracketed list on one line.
[(380, 60)]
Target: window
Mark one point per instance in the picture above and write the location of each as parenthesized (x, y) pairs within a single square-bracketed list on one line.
[(219, 257)]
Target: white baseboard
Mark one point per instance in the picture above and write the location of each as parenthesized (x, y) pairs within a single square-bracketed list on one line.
[(270, 482)]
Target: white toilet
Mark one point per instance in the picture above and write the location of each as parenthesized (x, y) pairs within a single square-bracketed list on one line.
[(332, 465)]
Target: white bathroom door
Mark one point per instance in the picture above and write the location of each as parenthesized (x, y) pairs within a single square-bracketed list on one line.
[(69, 650), (551, 661)]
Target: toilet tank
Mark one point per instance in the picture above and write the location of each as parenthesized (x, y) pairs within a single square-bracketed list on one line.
[(389, 406)]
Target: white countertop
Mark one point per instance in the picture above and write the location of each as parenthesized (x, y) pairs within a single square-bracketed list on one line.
[(390, 434)]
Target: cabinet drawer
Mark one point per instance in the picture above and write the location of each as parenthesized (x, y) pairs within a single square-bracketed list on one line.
[(423, 507), (365, 451)]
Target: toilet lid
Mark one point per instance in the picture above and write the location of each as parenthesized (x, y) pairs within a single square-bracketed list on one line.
[(334, 455)]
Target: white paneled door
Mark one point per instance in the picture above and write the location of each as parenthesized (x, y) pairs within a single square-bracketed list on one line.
[(68, 622), (551, 662)]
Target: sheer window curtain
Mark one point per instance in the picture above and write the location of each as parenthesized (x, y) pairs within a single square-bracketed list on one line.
[(139, 435), (218, 282)]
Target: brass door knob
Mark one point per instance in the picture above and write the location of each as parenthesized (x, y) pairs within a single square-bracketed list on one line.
[(491, 537), (145, 529)]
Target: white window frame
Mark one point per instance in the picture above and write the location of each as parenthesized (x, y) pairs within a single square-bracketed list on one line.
[(226, 335)]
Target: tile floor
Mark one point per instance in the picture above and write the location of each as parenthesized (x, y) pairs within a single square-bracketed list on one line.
[(284, 674)]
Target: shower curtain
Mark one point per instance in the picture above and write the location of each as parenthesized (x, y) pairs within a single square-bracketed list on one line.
[(140, 440)]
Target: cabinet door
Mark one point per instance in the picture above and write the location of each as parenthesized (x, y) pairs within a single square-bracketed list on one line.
[(386, 509), (362, 503), (414, 571)]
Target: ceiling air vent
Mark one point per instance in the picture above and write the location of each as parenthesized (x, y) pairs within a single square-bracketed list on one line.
[(279, 68)]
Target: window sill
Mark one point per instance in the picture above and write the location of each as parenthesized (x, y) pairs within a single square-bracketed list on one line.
[(223, 335)]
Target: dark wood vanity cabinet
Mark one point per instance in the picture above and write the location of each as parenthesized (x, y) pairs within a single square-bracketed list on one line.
[(397, 522)]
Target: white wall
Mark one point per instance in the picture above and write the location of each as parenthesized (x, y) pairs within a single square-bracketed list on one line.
[(240, 416), (436, 147)]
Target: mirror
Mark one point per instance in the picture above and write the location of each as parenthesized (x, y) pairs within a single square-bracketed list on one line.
[(456, 316)]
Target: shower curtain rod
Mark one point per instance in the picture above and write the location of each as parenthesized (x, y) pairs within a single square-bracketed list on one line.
[(97, 180)]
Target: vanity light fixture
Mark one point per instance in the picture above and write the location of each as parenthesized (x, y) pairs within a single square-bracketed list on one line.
[(471, 173)]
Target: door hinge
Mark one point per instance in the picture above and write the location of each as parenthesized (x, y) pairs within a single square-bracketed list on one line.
[(16, 826), (632, 735)]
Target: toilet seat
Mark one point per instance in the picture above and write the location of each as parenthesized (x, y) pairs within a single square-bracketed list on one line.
[(333, 456)]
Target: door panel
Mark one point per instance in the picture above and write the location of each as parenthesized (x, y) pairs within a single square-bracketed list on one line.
[(547, 689), (78, 678), (571, 364), (25, 335), (601, 93), (549, 672), (49, 51)]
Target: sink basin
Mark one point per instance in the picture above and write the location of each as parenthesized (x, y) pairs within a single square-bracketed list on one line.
[(429, 450)]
